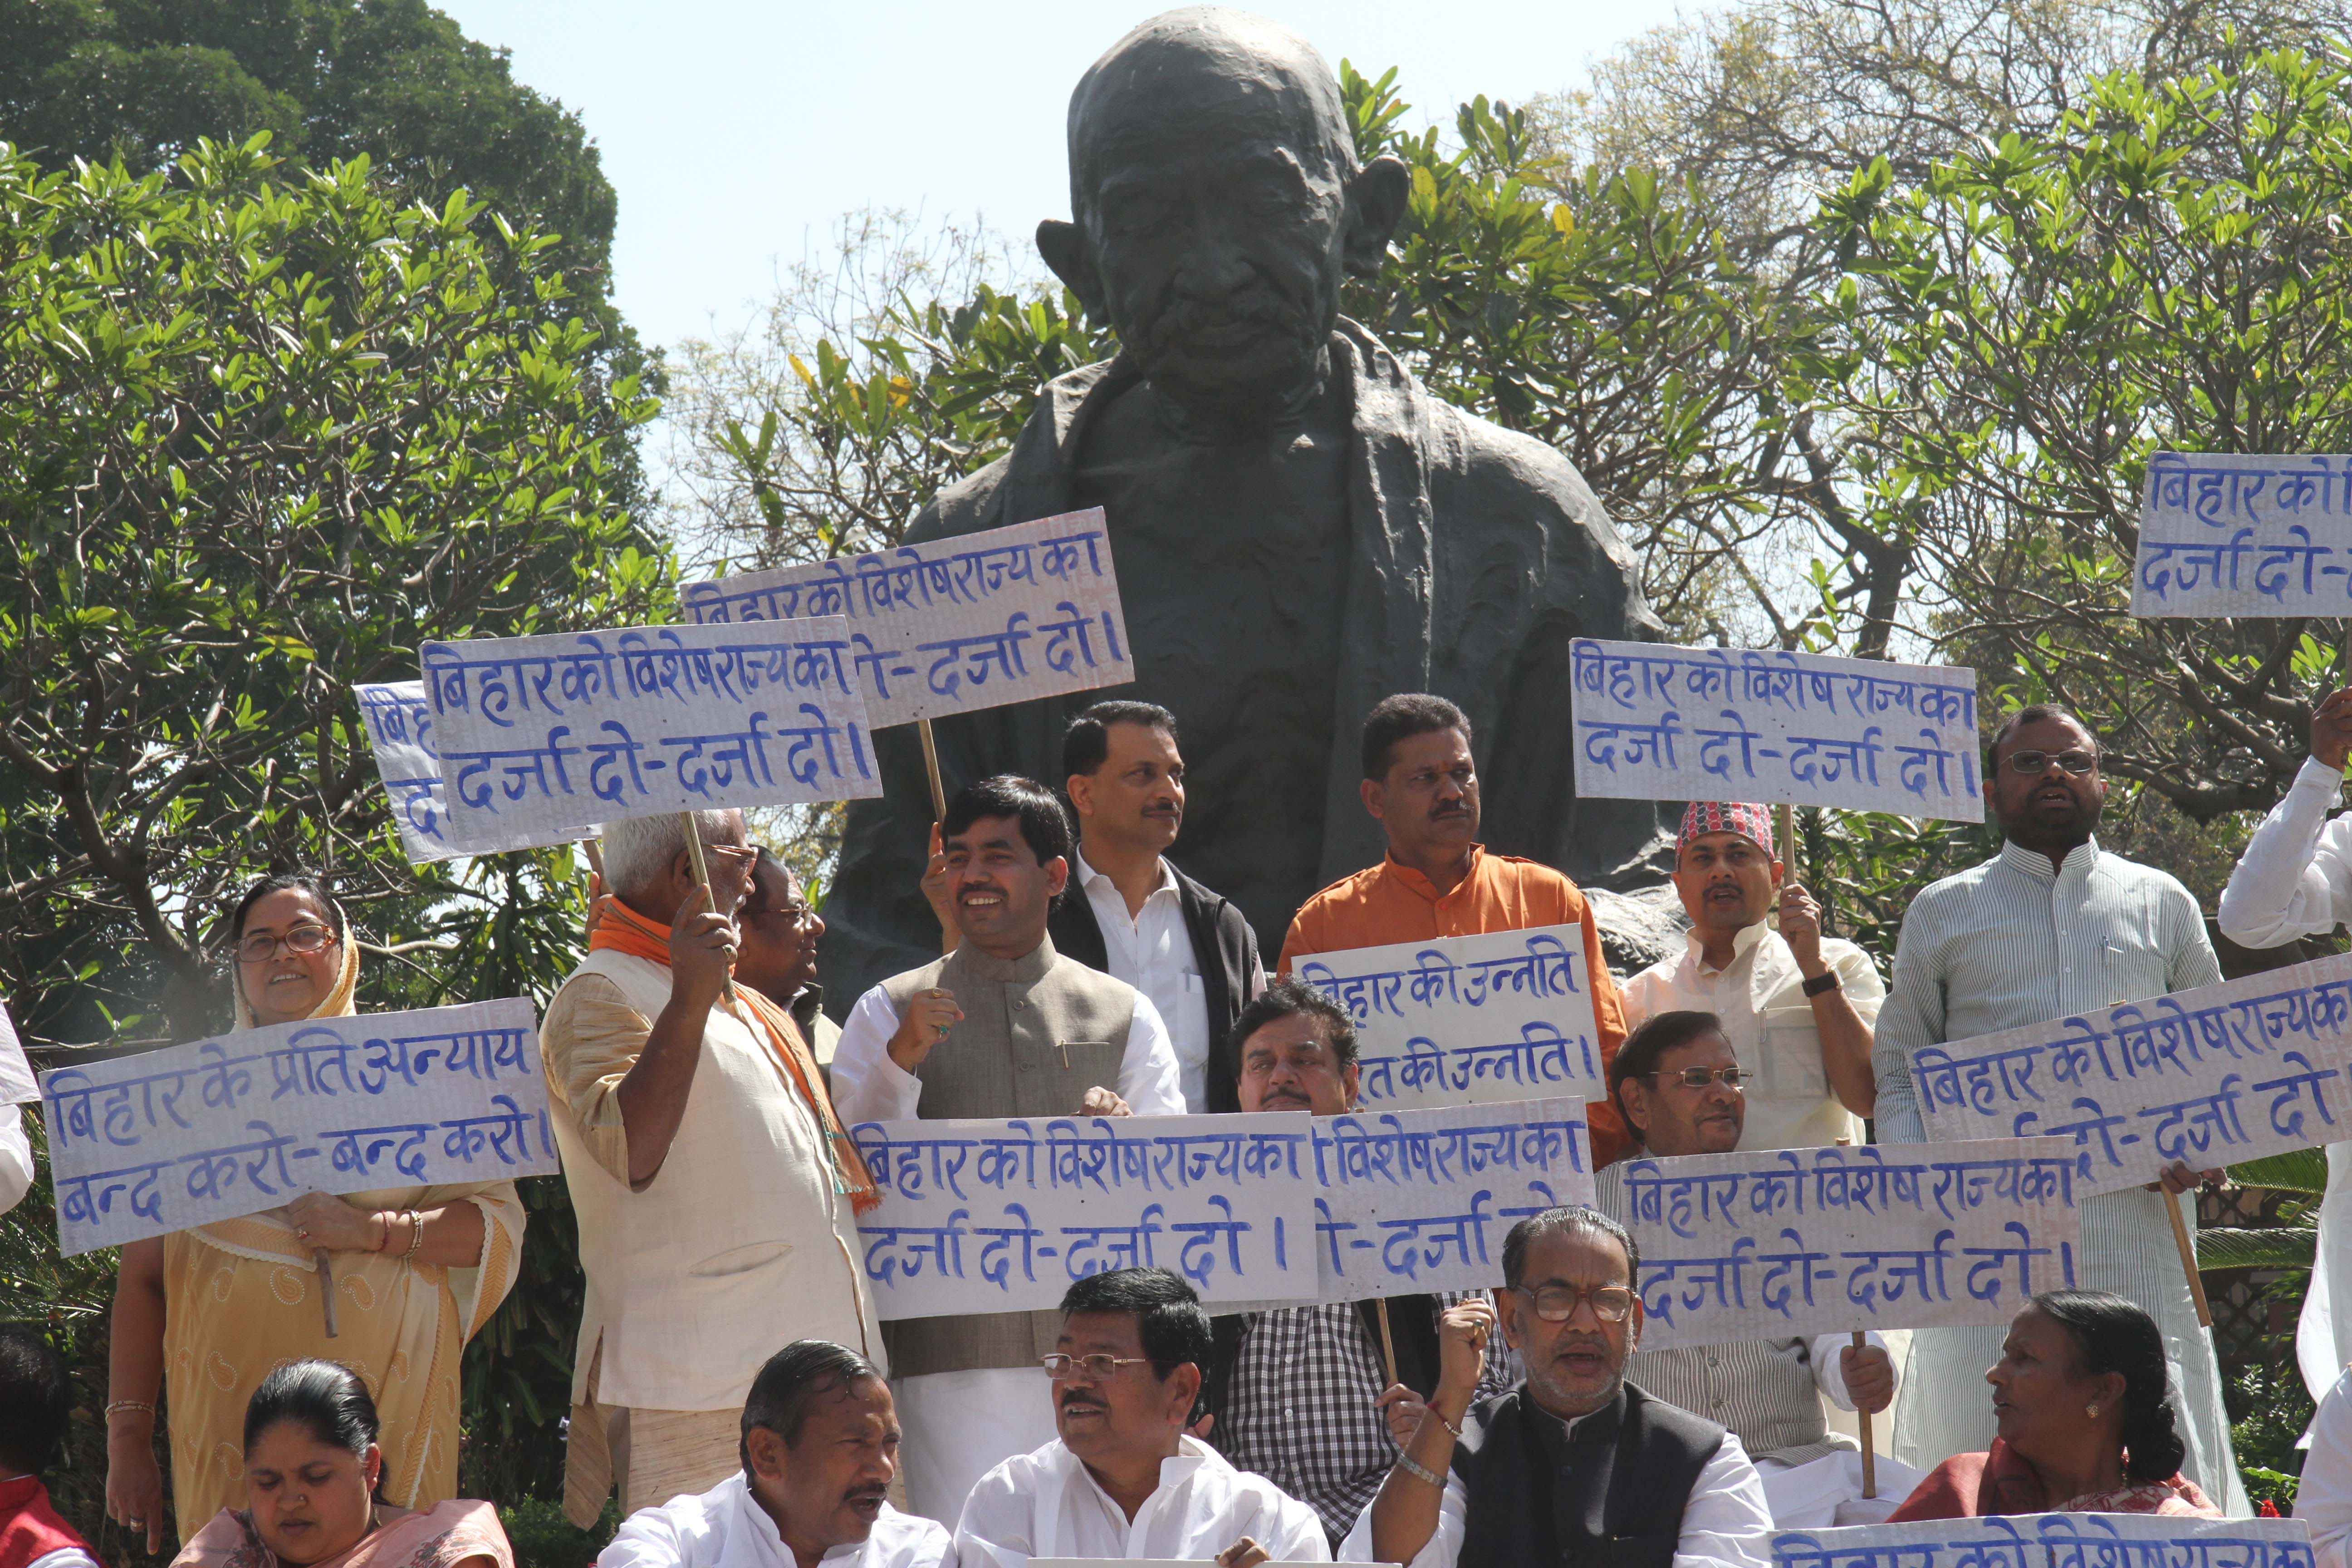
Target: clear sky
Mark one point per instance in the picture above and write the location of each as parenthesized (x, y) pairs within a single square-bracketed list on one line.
[(737, 132)]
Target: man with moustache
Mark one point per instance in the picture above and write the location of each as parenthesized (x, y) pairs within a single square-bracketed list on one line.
[(1003, 1026), (1300, 528), (1296, 1395), (777, 932), (1421, 784), (1574, 1464), (1131, 913), (2053, 925), (1680, 1091), (1122, 1479), (1796, 1004), (820, 1445)]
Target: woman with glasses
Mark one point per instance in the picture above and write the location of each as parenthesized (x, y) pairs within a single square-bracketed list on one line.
[(417, 1271)]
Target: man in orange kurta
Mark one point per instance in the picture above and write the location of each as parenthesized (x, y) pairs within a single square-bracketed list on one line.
[(1438, 880)]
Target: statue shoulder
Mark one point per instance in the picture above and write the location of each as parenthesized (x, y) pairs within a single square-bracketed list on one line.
[(977, 501), (1492, 462), (967, 506)]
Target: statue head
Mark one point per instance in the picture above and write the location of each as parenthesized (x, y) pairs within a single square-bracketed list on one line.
[(1219, 205)]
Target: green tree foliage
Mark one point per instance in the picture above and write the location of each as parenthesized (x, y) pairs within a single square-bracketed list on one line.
[(2165, 267)]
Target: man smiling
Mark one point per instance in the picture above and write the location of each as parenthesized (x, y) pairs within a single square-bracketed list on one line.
[(1575, 1464), (820, 1445), (1122, 1479), (1003, 1026)]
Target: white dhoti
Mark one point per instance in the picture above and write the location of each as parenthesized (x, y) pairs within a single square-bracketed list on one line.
[(1827, 1492), (959, 1426)]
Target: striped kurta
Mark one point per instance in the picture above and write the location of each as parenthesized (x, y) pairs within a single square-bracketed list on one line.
[(2009, 945)]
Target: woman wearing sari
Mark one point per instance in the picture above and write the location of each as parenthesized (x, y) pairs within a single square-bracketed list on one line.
[(418, 1271), (312, 1466), (2084, 1412)]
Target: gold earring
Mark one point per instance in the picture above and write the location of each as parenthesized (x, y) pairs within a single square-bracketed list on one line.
[(2092, 1411)]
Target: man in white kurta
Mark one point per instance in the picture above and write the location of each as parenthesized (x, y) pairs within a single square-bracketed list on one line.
[(17, 1087), (819, 1447), (1122, 1479), (2052, 925), (1796, 1006), (2294, 880), (2324, 1499)]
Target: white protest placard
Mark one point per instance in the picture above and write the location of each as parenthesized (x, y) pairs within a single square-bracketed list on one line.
[(1412, 1201), (1468, 1020), (2230, 534), (952, 625), (1656, 722), (2227, 1072), (400, 731), (1003, 1215), (2053, 1540), (143, 1145), (1775, 1243), (540, 734)]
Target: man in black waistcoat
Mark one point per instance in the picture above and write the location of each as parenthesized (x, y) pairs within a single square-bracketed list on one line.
[(1574, 1467)]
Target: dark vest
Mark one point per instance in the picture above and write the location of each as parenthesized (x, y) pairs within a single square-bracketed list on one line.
[(1610, 1494)]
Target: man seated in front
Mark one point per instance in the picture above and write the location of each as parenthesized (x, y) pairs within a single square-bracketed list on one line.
[(1682, 1091), (1574, 1464), (820, 1445), (1124, 1480)]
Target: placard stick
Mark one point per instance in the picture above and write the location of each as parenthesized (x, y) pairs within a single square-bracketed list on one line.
[(595, 856), (1784, 828), (702, 879), (2181, 1239), (931, 766), (1861, 1417), (1388, 1341), (326, 1289)]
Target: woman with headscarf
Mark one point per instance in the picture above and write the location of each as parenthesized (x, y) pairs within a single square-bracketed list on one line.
[(2084, 1411), (417, 1272)]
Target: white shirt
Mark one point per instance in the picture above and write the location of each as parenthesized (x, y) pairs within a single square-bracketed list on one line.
[(1153, 953), (1046, 1504), (1725, 1523), (2296, 877), (17, 1085), (727, 1528), (2325, 1497), (1760, 998), (867, 1086)]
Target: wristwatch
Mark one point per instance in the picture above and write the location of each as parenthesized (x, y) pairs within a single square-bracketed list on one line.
[(1824, 982)]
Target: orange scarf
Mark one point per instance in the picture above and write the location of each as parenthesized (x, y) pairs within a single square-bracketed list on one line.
[(622, 929)]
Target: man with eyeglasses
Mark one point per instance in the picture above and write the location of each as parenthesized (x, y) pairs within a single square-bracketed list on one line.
[(777, 932), (2053, 925), (1681, 1089), (1123, 1479), (1575, 1464), (1796, 1004)]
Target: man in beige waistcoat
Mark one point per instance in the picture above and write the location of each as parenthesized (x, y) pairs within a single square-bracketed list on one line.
[(1003, 1026), (716, 1216)]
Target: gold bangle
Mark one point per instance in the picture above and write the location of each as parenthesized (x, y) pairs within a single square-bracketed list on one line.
[(415, 1235), (129, 1404)]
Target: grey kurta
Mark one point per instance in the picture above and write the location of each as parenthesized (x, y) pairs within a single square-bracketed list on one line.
[(1474, 555), (2002, 946)]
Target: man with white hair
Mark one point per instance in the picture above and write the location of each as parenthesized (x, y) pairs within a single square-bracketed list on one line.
[(713, 1182)]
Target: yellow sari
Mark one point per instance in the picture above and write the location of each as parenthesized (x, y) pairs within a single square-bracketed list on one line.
[(240, 1299)]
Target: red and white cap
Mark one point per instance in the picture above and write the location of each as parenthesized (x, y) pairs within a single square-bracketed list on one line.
[(1705, 816)]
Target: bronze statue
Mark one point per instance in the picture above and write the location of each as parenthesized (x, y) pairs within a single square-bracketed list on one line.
[(1299, 528)]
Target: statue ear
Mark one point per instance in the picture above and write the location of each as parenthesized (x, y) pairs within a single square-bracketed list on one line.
[(1376, 199), (1064, 246)]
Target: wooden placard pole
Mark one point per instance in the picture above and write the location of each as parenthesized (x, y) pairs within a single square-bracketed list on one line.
[(1784, 828), (596, 848), (2188, 1245), (1861, 1417), (326, 1289), (1388, 1341), (702, 876), (931, 766)]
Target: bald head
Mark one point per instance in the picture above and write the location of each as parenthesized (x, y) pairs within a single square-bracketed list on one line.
[(1202, 57), (1218, 207)]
